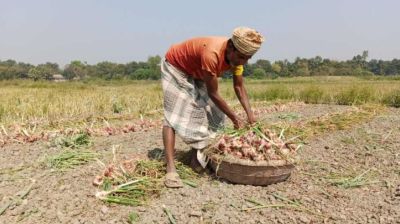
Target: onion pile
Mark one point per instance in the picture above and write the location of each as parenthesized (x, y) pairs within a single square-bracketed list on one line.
[(22, 133), (256, 144)]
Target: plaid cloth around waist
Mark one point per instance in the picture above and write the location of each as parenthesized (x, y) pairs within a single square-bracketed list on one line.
[(187, 107)]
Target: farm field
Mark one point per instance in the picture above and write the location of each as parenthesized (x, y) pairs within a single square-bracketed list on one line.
[(348, 170)]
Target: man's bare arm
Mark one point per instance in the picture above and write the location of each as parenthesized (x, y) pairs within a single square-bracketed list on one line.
[(241, 93), (211, 82)]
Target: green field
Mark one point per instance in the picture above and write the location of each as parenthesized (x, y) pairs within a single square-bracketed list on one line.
[(46, 102)]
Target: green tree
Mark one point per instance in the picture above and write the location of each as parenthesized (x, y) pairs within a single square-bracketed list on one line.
[(248, 69), (44, 71), (131, 67), (314, 63), (142, 74), (276, 68), (264, 64), (154, 65), (10, 69), (360, 61), (37, 73), (75, 69), (106, 70), (259, 73), (300, 67)]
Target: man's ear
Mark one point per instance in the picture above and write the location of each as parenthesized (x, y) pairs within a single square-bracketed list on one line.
[(230, 45)]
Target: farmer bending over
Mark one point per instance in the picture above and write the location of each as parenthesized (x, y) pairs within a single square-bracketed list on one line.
[(193, 108)]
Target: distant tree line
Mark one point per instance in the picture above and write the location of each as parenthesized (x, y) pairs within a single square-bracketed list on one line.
[(150, 70)]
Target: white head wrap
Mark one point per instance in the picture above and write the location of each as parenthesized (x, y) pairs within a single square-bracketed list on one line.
[(247, 40)]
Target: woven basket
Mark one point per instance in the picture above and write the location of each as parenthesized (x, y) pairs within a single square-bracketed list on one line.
[(249, 172)]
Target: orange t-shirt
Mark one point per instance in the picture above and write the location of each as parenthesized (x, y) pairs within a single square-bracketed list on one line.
[(199, 54)]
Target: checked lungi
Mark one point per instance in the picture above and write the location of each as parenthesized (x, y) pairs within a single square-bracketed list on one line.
[(187, 107)]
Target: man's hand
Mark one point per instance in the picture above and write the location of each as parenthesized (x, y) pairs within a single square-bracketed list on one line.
[(237, 123), (251, 119)]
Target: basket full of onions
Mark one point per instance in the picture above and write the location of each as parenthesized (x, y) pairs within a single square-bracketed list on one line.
[(253, 156)]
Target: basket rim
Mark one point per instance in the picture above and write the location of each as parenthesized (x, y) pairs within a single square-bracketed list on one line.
[(233, 160)]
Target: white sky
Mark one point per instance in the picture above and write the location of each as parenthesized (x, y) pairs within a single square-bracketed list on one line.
[(122, 31)]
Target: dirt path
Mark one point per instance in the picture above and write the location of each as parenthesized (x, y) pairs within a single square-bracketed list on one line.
[(371, 148)]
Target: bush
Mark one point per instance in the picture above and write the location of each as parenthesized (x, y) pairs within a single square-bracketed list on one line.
[(392, 99), (259, 73), (2, 112), (275, 93), (141, 74), (117, 106), (79, 140), (355, 95), (312, 94), (272, 75)]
